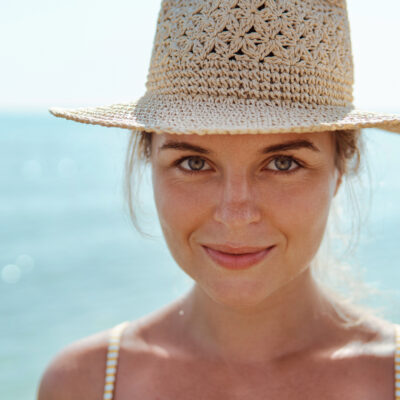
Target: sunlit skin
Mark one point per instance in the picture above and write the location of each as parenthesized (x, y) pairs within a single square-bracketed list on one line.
[(266, 332), (237, 196)]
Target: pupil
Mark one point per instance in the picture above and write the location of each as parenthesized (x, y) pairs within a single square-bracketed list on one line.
[(283, 163), (196, 163)]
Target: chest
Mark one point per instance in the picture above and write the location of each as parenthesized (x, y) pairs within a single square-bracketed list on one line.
[(169, 380)]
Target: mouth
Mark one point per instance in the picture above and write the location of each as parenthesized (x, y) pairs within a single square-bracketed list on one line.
[(237, 258)]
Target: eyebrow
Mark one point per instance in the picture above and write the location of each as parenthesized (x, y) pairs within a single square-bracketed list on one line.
[(291, 145)]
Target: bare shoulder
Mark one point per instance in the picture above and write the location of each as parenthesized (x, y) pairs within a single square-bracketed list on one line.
[(77, 371), (368, 359), (378, 338)]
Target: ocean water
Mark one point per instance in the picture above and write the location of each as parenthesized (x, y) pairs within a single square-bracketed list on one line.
[(71, 263)]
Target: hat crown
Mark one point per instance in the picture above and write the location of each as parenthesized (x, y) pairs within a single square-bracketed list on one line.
[(285, 52)]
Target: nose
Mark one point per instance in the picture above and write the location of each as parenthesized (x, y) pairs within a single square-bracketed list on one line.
[(236, 202)]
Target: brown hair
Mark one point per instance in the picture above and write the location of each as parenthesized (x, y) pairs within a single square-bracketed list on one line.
[(349, 147), (137, 157)]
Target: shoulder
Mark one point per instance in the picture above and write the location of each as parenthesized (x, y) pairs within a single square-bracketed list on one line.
[(366, 360), (77, 371)]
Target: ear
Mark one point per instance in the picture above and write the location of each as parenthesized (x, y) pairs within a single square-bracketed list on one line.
[(338, 183)]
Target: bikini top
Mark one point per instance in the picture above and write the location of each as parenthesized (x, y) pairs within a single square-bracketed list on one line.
[(113, 350)]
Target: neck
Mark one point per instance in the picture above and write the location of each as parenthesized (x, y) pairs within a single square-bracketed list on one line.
[(290, 320)]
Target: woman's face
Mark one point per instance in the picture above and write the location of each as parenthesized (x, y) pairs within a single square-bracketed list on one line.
[(228, 192)]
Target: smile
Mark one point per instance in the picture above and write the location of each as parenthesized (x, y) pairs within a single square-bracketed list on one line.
[(237, 260)]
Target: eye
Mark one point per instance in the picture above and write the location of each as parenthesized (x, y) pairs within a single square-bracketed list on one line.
[(283, 164), (193, 164)]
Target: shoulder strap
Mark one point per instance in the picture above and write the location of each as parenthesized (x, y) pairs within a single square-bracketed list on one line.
[(113, 350), (112, 359), (397, 364)]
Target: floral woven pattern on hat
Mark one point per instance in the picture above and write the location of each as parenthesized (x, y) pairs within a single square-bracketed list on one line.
[(245, 66), (285, 52)]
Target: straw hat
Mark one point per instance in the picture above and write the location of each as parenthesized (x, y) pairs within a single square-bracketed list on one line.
[(245, 66)]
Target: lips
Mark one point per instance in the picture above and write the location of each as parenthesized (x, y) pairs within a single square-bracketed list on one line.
[(236, 258), (235, 249)]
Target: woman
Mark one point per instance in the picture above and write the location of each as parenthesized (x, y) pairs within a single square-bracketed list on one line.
[(249, 128)]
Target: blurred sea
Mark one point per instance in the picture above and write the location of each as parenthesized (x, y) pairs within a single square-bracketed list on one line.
[(71, 263)]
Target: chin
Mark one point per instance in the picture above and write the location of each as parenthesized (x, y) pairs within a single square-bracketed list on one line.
[(239, 292)]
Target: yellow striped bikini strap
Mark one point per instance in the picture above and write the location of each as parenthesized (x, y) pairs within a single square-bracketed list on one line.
[(397, 364), (113, 350), (112, 359)]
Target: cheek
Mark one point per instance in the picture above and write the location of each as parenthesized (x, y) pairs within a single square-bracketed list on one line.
[(182, 208), (178, 205), (302, 212)]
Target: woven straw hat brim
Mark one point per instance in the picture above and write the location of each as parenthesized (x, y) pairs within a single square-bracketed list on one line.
[(177, 115)]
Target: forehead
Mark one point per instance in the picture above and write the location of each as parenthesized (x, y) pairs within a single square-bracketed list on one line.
[(245, 143)]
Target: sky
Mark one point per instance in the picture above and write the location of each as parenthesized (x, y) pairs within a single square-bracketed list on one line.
[(96, 52)]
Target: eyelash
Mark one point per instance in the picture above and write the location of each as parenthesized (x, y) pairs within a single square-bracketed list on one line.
[(288, 172)]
